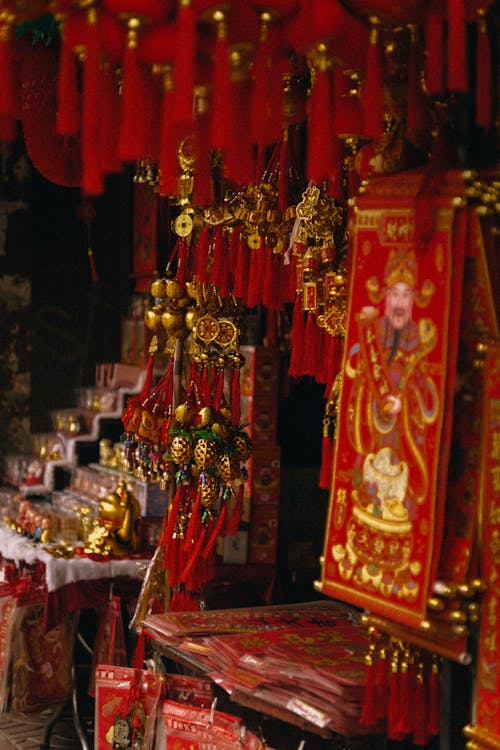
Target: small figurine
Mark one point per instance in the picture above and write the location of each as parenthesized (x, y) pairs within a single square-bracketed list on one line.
[(115, 531)]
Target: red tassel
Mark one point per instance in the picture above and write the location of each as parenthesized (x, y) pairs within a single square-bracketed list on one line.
[(240, 161), (8, 103), (320, 126), (184, 62), (202, 254), (405, 720), (168, 144), (393, 705), (297, 336), (325, 474), (219, 270), (193, 526), (416, 115), (140, 651), (182, 260), (255, 276), (372, 92), (203, 193), (188, 575), (221, 126), (420, 721), (261, 75), (129, 126), (218, 388), (368, 718), (235, 396), (456, 56), (434, 44), (483, 76), (434, 724), (235, 517), (67, 115), (110, 119), (92, 181), (93, 269), (173, 511), (241, 269), (382, 685), (212, 539), (270, 289), (347, 109)]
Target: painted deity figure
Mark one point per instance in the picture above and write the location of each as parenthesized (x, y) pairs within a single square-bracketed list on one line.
[(394, 396), (392, 400)]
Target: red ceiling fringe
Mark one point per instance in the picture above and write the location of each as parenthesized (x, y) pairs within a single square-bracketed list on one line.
[(241, 267), (222, 135), (128, 146), (484, 117), (184, 61), (168, 166), (92, 177), (110, 119), (233, 521), (202, 253), (416, 117), (320, 126), (372, 91), (456, 52), (8, 100), (434, 44), (68, 95)]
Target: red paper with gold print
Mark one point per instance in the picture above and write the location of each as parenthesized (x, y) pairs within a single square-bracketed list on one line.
[(387, 498), (487, 699)]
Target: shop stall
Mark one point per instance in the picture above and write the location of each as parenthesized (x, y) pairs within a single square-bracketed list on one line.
[(305, 254)]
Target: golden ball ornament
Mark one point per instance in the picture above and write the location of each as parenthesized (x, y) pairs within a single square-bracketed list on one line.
[(174, 289), (183, 413), (205, 453), (190, 318), (159, 288), (205, 416), (153, 318)]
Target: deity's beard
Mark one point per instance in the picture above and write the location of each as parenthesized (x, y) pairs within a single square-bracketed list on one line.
[(396, 340)]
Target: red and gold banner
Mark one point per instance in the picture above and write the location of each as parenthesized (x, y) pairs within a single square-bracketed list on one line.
[(486, 730), (394, 426)]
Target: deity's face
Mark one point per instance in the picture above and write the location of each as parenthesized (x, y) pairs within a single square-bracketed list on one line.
[(399, 304)]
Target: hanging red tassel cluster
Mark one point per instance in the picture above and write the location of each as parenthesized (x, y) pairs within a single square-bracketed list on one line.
[(402, 691), (216, 67), (184, 431)]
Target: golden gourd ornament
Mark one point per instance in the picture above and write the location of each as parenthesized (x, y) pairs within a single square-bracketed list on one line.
[(181, 449), (228, 467), (243, 445), (153, 318), (209, 490), (205, 453), (159, 288)]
